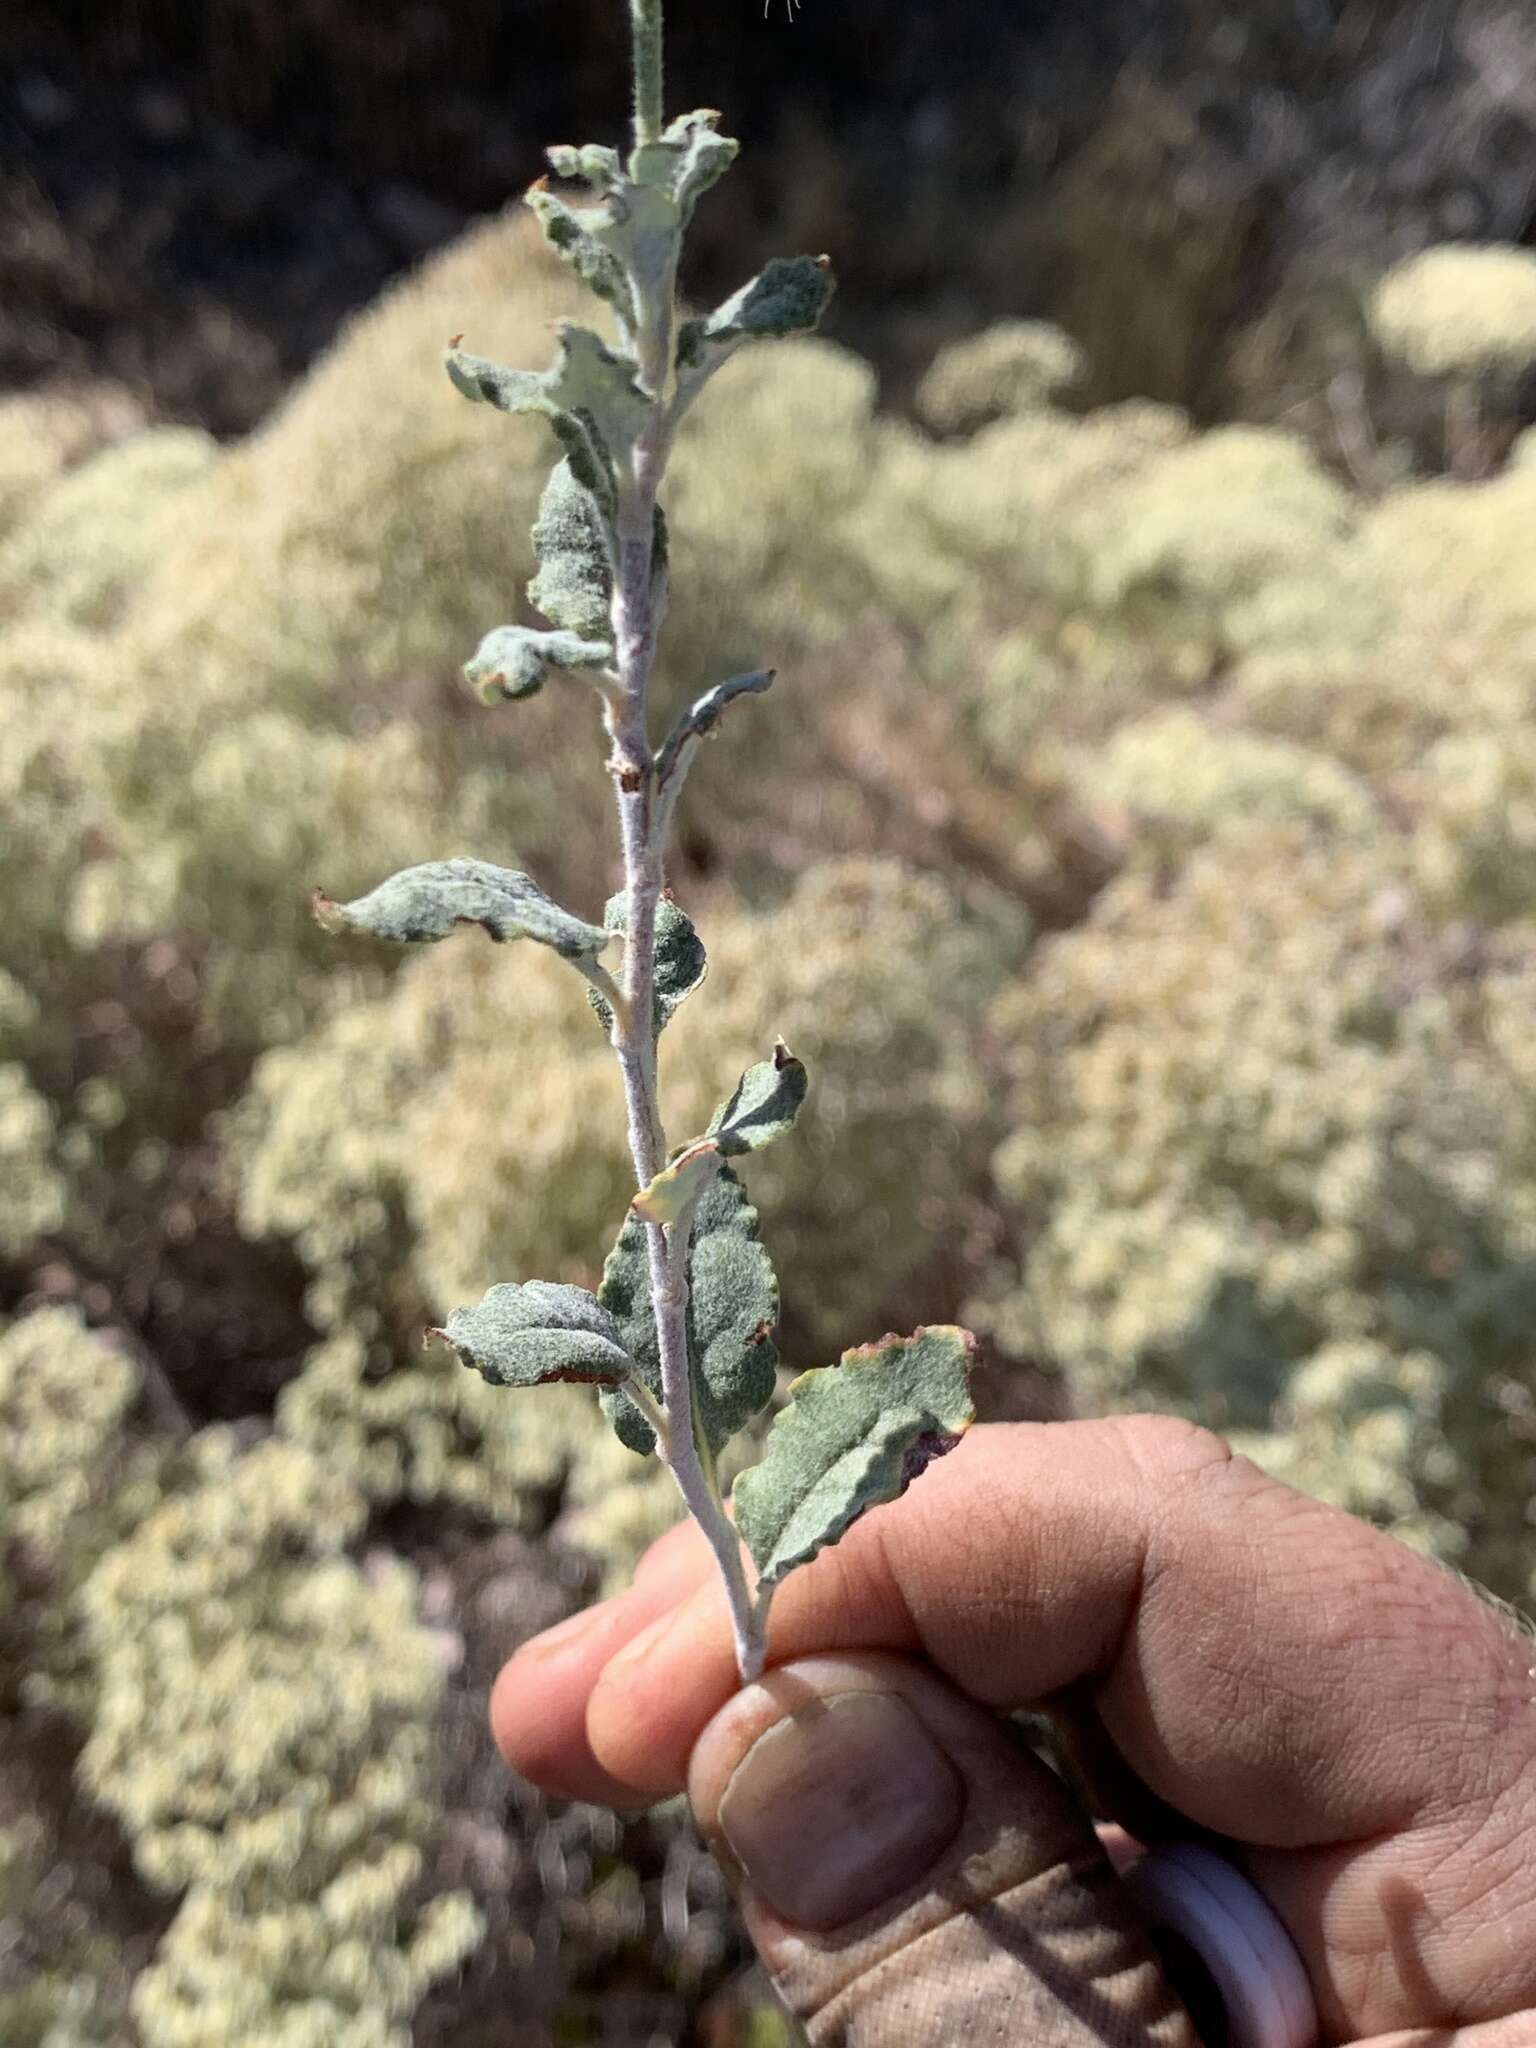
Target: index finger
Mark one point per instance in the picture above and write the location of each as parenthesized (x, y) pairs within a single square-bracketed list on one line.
[(1271, 1667)]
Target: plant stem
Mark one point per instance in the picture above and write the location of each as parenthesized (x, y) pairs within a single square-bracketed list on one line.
[(639, 597), (645, 21)]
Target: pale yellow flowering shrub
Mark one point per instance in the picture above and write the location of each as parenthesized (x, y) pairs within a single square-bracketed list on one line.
[(31, 1185), (1205, 528), (327, 1975), (88, 540), (43, 432), (1474, 847), (1013, 366), (1255, 1116), (1462, 544), (1185, 772), (64, 1394), (45, 792), (263, 1729), (1463, 310), (873, 1187)]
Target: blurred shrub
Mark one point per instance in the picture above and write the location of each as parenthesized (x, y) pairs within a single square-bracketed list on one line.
[(263, 1729), (61, 1977), (89, 539), (1463, 311), (43, 432), (1256, 1121), (877, 979), (31, 1188), (1475, 846), (1204, 528), (1010, 367), (63, 1396), (1178, 770)]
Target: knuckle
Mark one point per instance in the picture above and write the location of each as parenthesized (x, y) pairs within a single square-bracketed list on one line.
[(1167, 1451)]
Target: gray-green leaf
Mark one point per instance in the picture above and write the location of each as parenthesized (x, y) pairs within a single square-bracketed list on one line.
[(680, 961), (733, 1304), (700, 718), (703, 157), (422, 904), (788, 296), (574, 583), (596, 162), (527, 1335), (513, 661), (766, 1101), (588, 394), (566, 232), (852, 1436)]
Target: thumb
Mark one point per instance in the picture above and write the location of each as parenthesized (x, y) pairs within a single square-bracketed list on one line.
[(911, 1877)]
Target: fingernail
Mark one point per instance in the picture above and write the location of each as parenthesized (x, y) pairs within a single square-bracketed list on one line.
[(841, 1806)]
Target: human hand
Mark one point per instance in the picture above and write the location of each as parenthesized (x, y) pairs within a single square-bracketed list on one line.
[(1357, 1725)]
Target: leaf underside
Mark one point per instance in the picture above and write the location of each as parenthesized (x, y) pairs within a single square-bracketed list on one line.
[(673, 1192), (767, 1099), (525, 1335), (423, 904), (703, 715), (852, 1436), (733, 1304)]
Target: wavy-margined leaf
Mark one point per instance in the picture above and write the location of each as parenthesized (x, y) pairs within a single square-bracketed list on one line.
[(425, 903), (588, 394), (680, 960), (766, 1101), (852, 1436), (733, 1304), (639, 211), (788, 296), (567, 233), (512, 661), (598, 163), (527, 1334), (700, 156)]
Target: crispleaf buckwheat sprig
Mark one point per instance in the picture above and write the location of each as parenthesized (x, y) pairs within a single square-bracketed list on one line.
[(678, 1340)]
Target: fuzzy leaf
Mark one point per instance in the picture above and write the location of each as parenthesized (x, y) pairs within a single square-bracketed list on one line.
[(595, 162), (574, 583), (600, 271), (764, 1106), (678, 1186), (526, 1335), (703, 157), (513, 661), (788, 296), (680, 961), (700, 718), (852, 1436), (425, 903), (588, 394), (733, 1305)]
